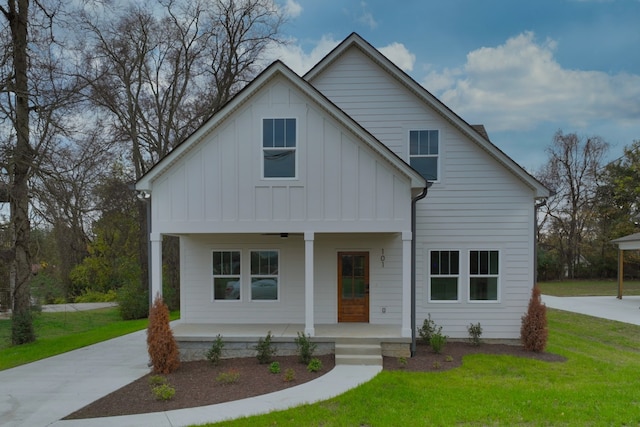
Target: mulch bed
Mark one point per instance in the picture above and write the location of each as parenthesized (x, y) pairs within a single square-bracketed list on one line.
[(196, 383)]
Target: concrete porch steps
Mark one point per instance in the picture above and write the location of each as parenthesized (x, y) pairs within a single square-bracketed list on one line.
[(358, 351)]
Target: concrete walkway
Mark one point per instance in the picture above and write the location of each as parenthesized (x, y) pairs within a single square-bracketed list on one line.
[(41, 393)]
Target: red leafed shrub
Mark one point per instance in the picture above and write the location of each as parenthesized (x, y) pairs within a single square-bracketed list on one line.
[(162, 347), (534, 332)]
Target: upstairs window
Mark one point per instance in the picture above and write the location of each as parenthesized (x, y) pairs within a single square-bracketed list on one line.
[(279, 148), (423, 152)]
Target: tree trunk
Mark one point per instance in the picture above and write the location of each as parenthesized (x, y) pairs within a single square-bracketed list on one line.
[(22, 325)]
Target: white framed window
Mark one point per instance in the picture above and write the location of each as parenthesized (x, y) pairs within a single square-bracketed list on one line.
[(264, 275), (424, 151), (484, 275), (279, 148), (226, 275), (444, 277)]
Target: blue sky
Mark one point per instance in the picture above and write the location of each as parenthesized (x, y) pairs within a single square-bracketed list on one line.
[(523, 69)]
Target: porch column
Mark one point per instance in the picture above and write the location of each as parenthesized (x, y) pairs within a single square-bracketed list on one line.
[(155, 265), (407, 256), (308, 283)]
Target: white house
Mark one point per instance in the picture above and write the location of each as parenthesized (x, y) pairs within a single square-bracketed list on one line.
[(349, 201)]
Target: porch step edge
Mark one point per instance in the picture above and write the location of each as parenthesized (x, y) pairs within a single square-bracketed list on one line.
[(368, 360), (358, 349)]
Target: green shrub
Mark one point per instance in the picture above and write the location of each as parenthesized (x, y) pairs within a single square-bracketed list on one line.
[(133, 301), (215, 352), (314, 365), (89, 295), (305, 348), (229, 377), (22, 330), (265, 349), (402, 361), (438, 340), (475, 331), (163, 392), (427, 329), (274, 368), (289, 375), (155, 380)]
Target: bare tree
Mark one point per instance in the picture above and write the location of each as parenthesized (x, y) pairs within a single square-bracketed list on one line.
[(157, 72), (33, 93), (572, 172), (63, 189), (21, 158)]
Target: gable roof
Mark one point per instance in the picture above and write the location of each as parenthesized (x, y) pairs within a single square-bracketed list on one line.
[(279, 69), (630, 242), (474, 133)]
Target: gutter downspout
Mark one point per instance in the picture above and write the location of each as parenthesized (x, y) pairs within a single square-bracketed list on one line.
[(414, 203), (536, 236)]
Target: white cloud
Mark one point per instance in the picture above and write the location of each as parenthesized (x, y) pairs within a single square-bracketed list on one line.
[(399, 55), (518, 85), (367, 18), (292, 9), (294, 56)]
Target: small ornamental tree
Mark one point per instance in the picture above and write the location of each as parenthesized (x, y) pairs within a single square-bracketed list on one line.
[(534, 332), (162, 347)]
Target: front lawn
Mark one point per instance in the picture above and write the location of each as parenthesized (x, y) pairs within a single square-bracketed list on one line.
[(597, 385), (61, 332)]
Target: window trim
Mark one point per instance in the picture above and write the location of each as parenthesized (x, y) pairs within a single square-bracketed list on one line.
[(496, 276), (437, 156), (276, 276), (444, 276), (295, 150), (214, 276)]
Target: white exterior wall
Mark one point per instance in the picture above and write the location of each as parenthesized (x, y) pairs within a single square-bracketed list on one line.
[(342, 184), (198, 305), (477, 203)]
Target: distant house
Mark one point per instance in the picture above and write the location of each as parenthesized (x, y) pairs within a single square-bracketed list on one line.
[(349, 201)]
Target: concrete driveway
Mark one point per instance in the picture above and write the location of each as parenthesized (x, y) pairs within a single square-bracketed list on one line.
[(625, 310)]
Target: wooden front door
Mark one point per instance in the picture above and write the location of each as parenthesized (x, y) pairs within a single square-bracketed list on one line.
[(353, 287)]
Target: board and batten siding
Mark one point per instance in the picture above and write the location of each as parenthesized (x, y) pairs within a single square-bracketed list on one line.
[(342, 184), (196, 279), (477, 203)]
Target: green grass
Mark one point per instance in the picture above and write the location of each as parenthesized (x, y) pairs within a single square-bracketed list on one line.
[(583, 288), (597, 385), (61, 332)]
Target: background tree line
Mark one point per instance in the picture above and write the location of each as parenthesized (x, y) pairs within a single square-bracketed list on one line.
[(92, 94), (594, 203)]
